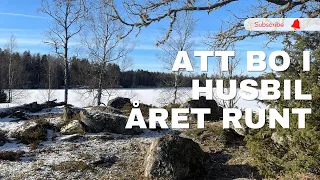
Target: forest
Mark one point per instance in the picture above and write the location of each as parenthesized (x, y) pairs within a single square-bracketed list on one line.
[(43, 71)]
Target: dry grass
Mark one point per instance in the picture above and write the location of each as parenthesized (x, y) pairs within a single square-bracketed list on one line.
[(300, 176), (71, 166), (212, 138), (230, 159)]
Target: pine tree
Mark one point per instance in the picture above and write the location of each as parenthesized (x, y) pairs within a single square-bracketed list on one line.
[(297, 150)]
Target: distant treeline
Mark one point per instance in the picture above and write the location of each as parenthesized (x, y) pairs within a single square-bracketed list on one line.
[(37, 71)]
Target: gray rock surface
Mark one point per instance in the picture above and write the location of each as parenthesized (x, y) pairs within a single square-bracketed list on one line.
[(174, 157), (74, 127), (119, 102), (99, 121), (216, 111)]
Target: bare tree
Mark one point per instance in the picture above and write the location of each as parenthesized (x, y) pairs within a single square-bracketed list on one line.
[(180, 41), (226, 76), (50, 70), (11, 47), (67, 22), (233, 30), (138, 14), (103, 42)]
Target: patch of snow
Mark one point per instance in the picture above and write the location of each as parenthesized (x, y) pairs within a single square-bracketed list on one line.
[(10, 127), (14, 146), (55, 110)]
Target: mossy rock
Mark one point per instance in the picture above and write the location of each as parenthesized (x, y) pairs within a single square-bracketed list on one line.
[(33, 131), (74, 127)]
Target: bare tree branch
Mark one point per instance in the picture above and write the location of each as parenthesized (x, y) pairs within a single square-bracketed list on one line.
[(138, 14)]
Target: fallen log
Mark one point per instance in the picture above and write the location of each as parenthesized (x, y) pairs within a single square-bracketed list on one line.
[(32, 108)]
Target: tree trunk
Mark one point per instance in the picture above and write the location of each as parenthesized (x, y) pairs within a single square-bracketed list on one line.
[(66, 78), (66, 81), (175, 88), (49, 81), (10, 79), (99, 95)]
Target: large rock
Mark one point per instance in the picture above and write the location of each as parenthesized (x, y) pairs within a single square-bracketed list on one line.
[(119, 102), (98, 121), (174, 157), (216, 111), (32, 131), (70, 113), (74, 127)]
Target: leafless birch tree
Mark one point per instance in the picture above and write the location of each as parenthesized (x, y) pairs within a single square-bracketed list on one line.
[(67, 16), (11, 47), (103, 42), (181, 40)]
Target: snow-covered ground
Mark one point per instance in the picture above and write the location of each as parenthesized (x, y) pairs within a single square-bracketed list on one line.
[(83, 98)]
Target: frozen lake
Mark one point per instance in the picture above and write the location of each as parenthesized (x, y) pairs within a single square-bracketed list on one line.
[(84, 97)]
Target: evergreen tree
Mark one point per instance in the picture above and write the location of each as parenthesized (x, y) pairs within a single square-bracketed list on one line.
[(292, 150)]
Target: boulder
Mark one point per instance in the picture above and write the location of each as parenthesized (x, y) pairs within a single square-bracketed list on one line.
[(32, 131), (174, 157), (74, 127), (70, 113), (216, 111), (119, 102), (99, 121)]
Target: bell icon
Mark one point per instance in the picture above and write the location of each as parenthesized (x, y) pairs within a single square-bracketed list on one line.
[(296, 24)]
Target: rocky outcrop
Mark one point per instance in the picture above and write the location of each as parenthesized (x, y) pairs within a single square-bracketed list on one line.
[(119, 102), (70, 112), (32, 131), (74, 127), (216, 111), (174, 157), (98, 121), (32, 107)]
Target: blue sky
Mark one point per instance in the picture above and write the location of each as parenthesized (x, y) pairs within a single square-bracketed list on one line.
[(22, 19)]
